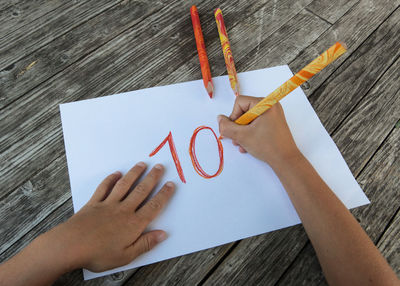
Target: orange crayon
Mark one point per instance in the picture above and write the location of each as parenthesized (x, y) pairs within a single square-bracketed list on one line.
[(226, 49), (201, 50), (295, 81)]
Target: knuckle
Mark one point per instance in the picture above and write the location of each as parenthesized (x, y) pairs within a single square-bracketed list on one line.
[(123, 184), (141, 219), (155, 204), (147, 244), (140, 189)]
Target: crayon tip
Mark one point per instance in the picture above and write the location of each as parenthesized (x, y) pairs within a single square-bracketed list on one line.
[(343, 44), (210, 89)]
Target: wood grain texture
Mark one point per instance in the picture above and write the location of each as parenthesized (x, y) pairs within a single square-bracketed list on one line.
[(331, 11), (371, 121), (260, 260), (389, 245), (32, 202), (184, 270), (353, 28), (44, 29), (349, 83), (70, 47), (21, 13)]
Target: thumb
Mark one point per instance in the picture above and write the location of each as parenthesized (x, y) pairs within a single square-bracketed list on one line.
[(146, 242), (229, 129)]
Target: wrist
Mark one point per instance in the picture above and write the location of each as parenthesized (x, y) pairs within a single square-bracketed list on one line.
[(283, 160), (56, 248)]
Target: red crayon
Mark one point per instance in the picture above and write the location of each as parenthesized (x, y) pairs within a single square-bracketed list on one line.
[(201, 50)]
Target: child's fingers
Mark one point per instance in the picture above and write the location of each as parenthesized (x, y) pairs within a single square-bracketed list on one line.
[(153, 207), (230, 129), (144, 188), (242, 104), (105, 187), (125, 183), (146, 242)]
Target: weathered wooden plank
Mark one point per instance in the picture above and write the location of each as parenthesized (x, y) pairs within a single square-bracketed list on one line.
[(336, 97), (41, 31), (63, 51), (184, 270), (380, 182), (383, 101), (331, 11), (32, 202), (76, 278), (376, 114), (17, 15), (7, 3), (62, 214), (258, 260), (389, 244), (353, 29)]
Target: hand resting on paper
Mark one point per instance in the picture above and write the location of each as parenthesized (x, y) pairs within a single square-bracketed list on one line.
[(106, 233), (346, 254)]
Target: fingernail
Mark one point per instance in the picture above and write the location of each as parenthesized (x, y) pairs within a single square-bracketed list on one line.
[(161, 236), (219, 118), (117, 173), (159, 166), (170, 184), (141, 164)]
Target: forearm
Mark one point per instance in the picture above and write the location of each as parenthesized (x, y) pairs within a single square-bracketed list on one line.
[(346, 254), (40, 263)]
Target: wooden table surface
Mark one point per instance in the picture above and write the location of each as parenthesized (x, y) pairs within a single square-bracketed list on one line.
[(55, 51)]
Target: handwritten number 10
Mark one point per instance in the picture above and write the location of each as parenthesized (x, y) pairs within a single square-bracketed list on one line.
[(192, 153)]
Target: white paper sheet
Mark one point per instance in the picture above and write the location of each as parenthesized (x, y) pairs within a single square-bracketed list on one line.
[(112, 133)]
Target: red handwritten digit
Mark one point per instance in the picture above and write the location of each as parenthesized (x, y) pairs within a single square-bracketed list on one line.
[(196, 163), (173, 153)]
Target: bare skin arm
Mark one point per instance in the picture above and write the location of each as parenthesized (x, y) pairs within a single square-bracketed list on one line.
[(345, 252), (106, 233)]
